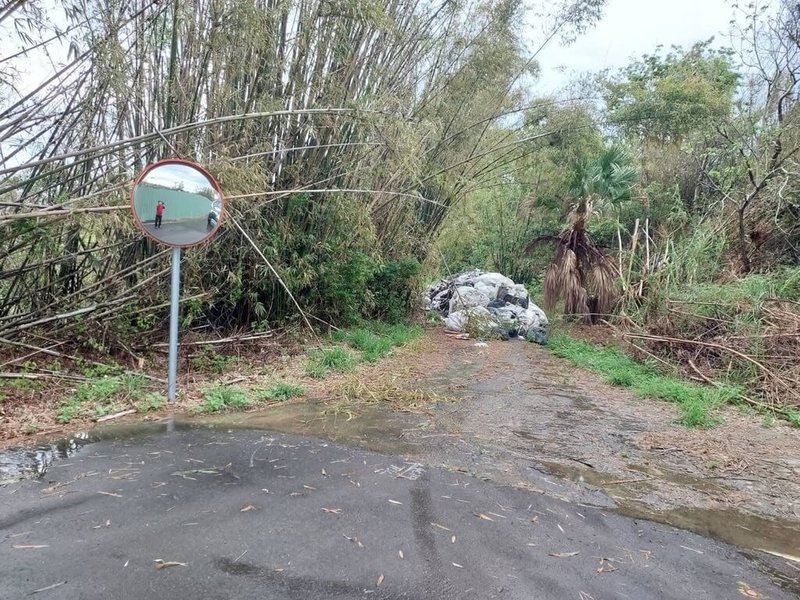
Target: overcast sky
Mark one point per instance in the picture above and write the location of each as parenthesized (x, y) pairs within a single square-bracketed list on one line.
[(171, 175), (631, 28)]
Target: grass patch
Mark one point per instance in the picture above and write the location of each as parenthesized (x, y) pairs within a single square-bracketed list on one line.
[(320, 362), (93, 394), (372, 347), (222, 397), (372, 341), (282, 391), (315, 370), (696, 403), (151, 401), (376, 339)]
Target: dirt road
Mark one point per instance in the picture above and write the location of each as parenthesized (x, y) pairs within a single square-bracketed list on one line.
[(525, 412)]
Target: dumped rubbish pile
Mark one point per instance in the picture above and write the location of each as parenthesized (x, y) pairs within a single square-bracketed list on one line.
[(486, 305)]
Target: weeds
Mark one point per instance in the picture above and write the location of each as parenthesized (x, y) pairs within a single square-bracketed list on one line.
[(320, 362), (371, 346), (95, 392), (150, 402), (222, 397), (315, 370), (282, 390), (375, 340), (209, 360), (696, 403), (96, 371)]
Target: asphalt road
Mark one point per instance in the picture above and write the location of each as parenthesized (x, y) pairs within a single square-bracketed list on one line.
[(272, 516), (185, 231)]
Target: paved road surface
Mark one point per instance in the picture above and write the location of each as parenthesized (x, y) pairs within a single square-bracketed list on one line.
[(272, 516), (186, 231)]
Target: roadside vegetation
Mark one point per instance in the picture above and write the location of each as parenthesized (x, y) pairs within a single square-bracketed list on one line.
[(668, 215), (696, 403), (660, 200), (106, 391)]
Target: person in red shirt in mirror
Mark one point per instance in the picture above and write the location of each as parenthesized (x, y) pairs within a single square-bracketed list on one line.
[(159, 213)]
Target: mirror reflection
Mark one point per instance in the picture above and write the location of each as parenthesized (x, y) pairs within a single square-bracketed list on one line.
[(177, 204)]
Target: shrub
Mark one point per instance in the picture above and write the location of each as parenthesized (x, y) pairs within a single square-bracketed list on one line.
[(393, 285)]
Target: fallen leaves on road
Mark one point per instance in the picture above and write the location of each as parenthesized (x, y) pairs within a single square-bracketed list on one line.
[(187, 473), (49, 587), (605, 566), (563, 554), (483, 516), (335, 511), (746, 590), (380, 580), (247, 508), (355, 540), (324, 473), (164, 564)]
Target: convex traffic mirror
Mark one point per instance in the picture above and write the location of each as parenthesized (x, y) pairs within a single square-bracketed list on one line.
[(177, 203)]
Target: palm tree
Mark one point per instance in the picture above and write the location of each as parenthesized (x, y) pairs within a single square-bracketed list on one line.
[(580, 273)]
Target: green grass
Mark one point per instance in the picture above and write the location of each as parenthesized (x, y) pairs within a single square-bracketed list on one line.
[(320, 362), (375, 340), (222, 397), (696, 403), (132, 385), (151, 401), (282, 390), (95, 392), (315, 370), (372, 347)]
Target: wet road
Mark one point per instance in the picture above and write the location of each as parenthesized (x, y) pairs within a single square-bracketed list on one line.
[(249, 514)]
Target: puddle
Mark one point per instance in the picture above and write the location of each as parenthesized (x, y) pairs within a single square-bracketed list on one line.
[(775, 536), (27, 463), (372, 428)]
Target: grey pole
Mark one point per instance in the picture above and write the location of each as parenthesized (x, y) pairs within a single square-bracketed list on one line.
[(175, 294)]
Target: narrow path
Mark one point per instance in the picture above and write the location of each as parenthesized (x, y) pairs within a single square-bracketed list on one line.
[(529, 415)]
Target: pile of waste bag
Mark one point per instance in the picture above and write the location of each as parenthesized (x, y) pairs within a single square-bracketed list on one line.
[(486, 305)]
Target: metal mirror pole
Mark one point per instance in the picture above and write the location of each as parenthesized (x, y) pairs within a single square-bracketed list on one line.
[(175, 294)]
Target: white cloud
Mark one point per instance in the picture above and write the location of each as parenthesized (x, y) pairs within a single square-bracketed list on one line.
[(631, 28)]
